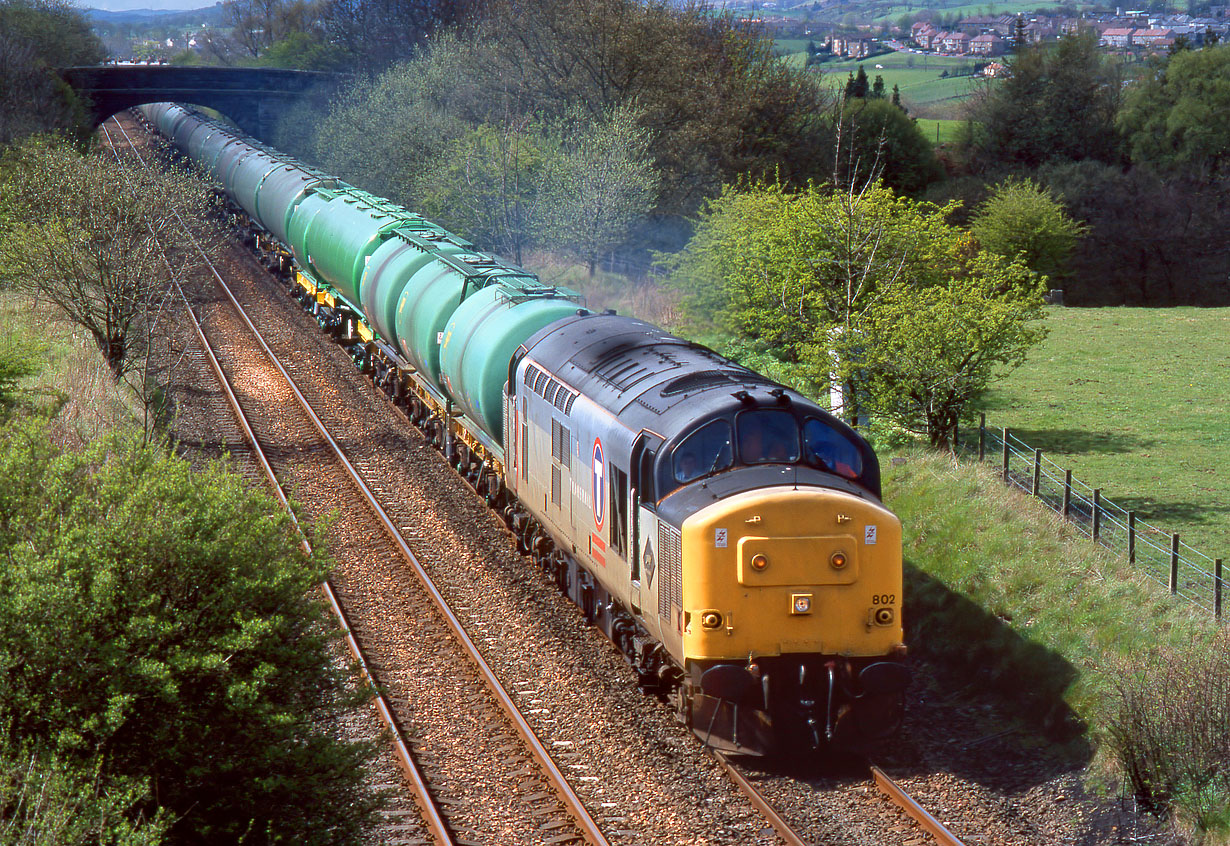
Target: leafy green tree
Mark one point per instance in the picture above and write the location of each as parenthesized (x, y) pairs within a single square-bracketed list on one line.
[(804, 273), (1058, 103), (166, 624), (925, 354), (883, 142), (877, 87), (602, 185), (486, 184), (1023, 220), (857, 86), (1177, 119)]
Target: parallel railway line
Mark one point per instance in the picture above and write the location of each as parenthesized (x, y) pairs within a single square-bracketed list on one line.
[(320, 477)]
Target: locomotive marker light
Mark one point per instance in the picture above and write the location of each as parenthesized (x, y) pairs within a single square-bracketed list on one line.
[(838, 561), (800, 603), (759, 561), (711, 619)]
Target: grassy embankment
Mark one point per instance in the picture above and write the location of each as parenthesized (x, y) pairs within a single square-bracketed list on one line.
[(1134, 401), (1000, 592), (73, 377)]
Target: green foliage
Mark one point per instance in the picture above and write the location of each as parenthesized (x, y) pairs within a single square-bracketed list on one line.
[(166, 624), (924, 356), (51, 801), (486, 184), (887, 144), (1177, 118), (786, 267), (37, 36), (304, 51), (95, 236), (920, 318), (599, 188), (1002, 594), (1059, 102), (19, 360), (1022, 220)]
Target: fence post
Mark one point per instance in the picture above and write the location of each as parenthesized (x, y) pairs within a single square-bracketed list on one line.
[(1007, 478), (1037, 471), (1067, 493), (956, 437), (1131, 537), (982, 436), (1217, 587), (1097, 514), (1174, 563)]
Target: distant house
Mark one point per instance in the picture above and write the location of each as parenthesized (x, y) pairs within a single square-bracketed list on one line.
[(1153, 37), (923, 34), (987, 44), (956, 43), (852, 46), (1117, 37)]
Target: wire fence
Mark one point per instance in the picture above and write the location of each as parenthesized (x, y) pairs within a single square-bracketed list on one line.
[(1161, 555)]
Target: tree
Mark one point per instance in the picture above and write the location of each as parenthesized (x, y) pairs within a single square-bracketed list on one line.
[(1177, 119), (1059, 102), (164, 626), (256, 25), (602, 185), (486, 184), (37, 36), (925, 354), (1025, 221), (804, 272), (877, 87), (1020, 40), (19, 360), (882, 141), (96, 237), (856, 86), (379, 33)]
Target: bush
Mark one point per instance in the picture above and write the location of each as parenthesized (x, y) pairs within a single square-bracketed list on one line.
[(1171, 735), (167, 624)]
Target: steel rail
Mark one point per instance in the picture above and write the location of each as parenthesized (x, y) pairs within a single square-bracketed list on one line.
[(432, 816), (760, 803), (903, 800), (571, 801)]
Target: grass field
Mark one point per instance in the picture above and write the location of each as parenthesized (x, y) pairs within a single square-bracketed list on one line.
[(940, 131), (923, 91), (1134, 400)]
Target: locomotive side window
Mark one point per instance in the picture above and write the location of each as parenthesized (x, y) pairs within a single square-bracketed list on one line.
[(768, 436), (827, 449), (706, 450)]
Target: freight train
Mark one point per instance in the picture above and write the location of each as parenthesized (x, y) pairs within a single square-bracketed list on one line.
[(725, 532)]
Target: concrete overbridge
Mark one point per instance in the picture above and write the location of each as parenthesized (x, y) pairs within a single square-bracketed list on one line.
[(252, 97)]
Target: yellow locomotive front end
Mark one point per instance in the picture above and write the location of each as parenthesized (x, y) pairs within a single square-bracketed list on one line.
[(792, 619)]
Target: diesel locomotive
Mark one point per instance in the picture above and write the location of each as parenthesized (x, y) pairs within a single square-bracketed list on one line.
[(725, 532)]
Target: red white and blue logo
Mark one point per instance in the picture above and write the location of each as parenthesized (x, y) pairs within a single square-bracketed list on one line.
[(599, 489)]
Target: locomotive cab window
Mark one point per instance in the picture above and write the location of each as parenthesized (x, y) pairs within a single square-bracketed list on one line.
[(828, 449), (768, 436), (705, 451)]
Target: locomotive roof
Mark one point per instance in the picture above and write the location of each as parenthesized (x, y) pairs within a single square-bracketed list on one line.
[(644, 375)]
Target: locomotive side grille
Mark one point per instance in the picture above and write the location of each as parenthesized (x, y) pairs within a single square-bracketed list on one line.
[(552, 389), (563, 400), (561, 443), (670, 569), (556, 484), (568, 403)]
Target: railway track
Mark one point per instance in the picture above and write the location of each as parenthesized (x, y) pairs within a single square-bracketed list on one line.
[(314, 463), (268, 405)]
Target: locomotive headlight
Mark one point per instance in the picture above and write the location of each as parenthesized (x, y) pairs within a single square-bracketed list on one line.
[(759, 561), (884, 616), (711, 619), (800, 603), (838, 561)]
